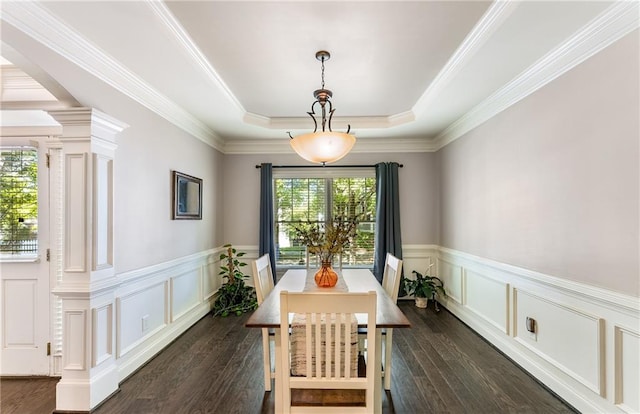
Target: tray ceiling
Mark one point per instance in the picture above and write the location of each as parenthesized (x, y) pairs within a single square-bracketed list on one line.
[(239, 75)]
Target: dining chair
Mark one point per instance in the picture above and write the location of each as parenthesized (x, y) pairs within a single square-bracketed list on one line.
[(391, 284), (327, 348), (263, 282)]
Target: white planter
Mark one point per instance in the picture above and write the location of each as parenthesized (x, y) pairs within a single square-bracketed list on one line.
[(421, 302)]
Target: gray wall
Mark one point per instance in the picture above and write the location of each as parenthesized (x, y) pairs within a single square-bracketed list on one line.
[(418, 193), (144, 231), (551, 184), (148, 150)]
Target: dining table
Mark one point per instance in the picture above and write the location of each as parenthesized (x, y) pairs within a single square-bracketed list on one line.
[(388, 315)]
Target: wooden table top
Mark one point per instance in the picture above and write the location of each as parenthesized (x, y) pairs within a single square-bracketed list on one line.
[(388, 314)]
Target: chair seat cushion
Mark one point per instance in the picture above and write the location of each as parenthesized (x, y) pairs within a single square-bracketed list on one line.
[(298, 344)]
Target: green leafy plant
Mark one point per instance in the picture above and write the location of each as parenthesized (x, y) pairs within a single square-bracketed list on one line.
[(425, 286), (234, 296), (330, 238)]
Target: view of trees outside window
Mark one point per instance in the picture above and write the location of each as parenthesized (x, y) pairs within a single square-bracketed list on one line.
[(18, 201), (318, 200)]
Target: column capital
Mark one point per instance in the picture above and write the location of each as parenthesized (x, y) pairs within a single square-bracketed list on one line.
[(87, 123)]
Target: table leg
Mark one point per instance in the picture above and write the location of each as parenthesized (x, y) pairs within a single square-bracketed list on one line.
[(377, 400), (278, 374)]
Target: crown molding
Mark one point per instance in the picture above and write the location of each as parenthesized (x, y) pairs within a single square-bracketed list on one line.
[(36, 22), (304, 123), (482, 31), (30, 131), (363, 145), (88, 117), (183, 38), (611, 25), (21, 91), (35, 105), (14, 78), (258, 146)]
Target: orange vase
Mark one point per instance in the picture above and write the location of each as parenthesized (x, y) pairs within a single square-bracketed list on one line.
[(326, 276)]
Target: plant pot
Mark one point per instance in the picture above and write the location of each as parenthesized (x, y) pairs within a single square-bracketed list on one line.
[(421, 302)]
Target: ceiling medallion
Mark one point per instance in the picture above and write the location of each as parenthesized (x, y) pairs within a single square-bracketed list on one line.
[(324, 146)]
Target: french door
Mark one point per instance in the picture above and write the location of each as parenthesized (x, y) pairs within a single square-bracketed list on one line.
[(25, 292)]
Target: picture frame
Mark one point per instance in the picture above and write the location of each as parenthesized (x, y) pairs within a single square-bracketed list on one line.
[(187, 197)]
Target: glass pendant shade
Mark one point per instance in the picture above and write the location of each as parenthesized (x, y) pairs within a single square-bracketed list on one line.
[(323, 147), (326, 146)]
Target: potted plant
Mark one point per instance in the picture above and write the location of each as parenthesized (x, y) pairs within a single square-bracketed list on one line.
[(424, 288), (234, 296)]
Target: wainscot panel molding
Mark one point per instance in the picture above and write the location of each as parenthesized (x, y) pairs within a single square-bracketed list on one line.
[(583, 346), (140, 314), (156, 304), (102, 334), (418, 257), (577, 351), (488, 298), (627, 372), (451, 274), (186, 292)]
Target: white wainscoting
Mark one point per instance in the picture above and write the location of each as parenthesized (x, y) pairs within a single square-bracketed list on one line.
[(566, 337), (586, 347), (154, 305), (102, 334), (418, 258), (587, 341), (488, 298), (185, 293), (627, 369)]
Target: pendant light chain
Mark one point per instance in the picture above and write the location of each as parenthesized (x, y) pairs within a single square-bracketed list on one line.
[(324, 114), (322, 60)]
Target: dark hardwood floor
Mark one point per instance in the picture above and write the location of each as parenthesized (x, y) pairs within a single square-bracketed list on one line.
[(440, 366)]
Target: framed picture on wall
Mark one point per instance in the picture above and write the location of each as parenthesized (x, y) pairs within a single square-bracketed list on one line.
[(187, 197)]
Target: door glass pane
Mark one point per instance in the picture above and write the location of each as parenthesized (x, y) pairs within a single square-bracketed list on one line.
[(18, 201)]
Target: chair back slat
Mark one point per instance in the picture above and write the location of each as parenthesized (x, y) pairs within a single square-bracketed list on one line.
[(330, 331), (262, 277), (263, 282), (391, 276)]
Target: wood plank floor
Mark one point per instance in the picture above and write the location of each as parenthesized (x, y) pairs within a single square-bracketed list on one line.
[(439, 366)]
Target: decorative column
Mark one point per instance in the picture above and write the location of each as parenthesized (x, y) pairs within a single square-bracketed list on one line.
[(87, 283)]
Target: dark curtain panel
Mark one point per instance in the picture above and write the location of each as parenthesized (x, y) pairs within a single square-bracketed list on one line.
[(387, 238), (266, 243)]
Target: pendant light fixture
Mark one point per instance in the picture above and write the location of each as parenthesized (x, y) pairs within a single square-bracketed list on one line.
[(323, 146)]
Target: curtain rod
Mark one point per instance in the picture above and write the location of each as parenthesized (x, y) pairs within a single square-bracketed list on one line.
[(323, 166)]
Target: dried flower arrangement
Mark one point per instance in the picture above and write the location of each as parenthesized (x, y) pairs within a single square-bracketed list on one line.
[(327, 239)]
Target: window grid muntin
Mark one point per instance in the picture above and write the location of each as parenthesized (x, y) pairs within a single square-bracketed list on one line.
[(19, 201), (361, 250), (293, 255)]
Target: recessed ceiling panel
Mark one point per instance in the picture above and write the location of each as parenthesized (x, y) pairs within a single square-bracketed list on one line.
[(533, 29), (383, 54)]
